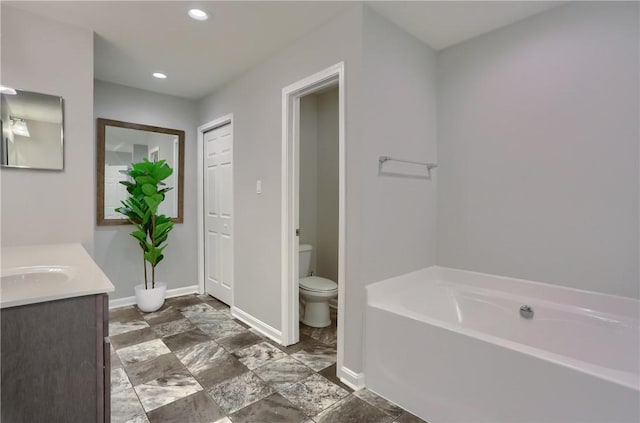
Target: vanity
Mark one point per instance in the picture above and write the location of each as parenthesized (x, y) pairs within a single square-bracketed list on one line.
[(54, 319)]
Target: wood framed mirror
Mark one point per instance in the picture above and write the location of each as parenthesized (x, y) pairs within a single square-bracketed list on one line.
[(122, 143)]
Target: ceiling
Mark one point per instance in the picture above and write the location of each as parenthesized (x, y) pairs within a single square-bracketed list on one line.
[(136, 38), (442, 24)]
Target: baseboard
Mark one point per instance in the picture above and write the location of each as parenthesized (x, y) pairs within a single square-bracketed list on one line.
[(178, 292), (175, 292), (122, 302), (257, 324), (350, 378)]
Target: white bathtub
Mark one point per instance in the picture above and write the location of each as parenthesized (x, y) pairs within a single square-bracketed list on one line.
[(450, 345)]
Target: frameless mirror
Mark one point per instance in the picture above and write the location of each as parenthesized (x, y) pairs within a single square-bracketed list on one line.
[(122, 143), (32, 130)]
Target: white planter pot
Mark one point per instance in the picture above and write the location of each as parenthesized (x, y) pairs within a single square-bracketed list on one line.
[(149, 300)]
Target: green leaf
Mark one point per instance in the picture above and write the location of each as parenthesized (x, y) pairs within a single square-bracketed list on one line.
[(140, 235), (144, 179), (152, 203), (161, 172), (141, 214), (160, 238), (162, 227), (149, 189), (153, 254), (161, 218), (146, 193)]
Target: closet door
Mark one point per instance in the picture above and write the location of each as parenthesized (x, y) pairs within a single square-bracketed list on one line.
[(218, 213)]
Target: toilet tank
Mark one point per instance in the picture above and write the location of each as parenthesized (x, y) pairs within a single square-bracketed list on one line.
[(304, 260)]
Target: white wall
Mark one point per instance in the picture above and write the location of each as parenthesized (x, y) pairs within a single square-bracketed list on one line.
[(116, 252), (45, 56), (327, 154), (538, 148)]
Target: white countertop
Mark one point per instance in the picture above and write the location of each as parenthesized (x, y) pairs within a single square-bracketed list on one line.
[(38, 273)]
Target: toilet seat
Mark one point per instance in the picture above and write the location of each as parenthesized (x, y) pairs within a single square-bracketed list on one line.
[(317, 284)]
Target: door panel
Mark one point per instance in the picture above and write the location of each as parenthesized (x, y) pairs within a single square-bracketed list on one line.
[(226, 198), (212, 256), (226, 253), (218, 186), (114, 191), (211, 183)]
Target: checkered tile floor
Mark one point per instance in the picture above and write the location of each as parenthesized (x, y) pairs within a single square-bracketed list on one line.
[(191, 362)]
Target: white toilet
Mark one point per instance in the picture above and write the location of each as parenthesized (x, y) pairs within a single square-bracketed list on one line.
[(315, 291)]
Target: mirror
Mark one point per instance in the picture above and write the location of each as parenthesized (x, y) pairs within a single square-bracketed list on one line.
[(32, 130), (122, 143)]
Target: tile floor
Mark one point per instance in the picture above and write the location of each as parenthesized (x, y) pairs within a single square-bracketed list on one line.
[(191, 362)]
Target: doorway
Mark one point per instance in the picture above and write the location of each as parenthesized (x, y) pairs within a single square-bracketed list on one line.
[(215, 209), (292, 95), (318, 211)]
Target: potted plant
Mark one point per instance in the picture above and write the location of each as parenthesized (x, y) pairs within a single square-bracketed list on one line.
[(146, 193)]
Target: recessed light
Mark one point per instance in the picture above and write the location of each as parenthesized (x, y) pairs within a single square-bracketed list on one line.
[(160, 75), (198, 14)]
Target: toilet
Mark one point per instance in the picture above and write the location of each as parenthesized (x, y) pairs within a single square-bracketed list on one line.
[(314, 291)]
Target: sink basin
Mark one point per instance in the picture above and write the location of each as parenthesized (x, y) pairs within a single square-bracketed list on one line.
[(32, 274), (37, 275)]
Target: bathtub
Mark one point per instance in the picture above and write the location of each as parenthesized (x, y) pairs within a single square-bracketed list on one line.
[(451, 345)]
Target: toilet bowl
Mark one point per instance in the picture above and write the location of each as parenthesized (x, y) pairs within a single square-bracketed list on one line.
[(315, 292)]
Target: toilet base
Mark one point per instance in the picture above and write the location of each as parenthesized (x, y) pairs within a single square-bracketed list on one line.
[(316, 314)]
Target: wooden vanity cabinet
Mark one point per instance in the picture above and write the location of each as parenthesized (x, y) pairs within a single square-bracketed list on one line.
[(55, 360)]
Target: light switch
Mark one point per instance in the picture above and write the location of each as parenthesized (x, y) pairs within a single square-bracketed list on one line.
[(258, 187)]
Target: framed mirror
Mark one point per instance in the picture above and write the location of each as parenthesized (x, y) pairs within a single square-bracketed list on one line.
[(32, 128), (122, 143)]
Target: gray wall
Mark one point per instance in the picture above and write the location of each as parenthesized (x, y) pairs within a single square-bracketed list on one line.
[(255, 100), (398, 220), (116, 158), (319, 180), (116, 252), (6, 149), (374, 227), (308, 201), (399, 120), (538, 147), (42, 147), (327, 150), (40, 207)]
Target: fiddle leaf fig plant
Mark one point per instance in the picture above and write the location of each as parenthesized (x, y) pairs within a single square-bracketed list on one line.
[(146, 193)]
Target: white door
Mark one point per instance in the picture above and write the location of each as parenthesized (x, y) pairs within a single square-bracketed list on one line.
[(114, 191), (218, 216)]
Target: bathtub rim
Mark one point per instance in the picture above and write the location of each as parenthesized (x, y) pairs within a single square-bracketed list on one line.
[(630, 306), (376, 293)]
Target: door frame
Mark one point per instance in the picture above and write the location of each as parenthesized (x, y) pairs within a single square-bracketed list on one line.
[(216, 123), (291, 95)]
